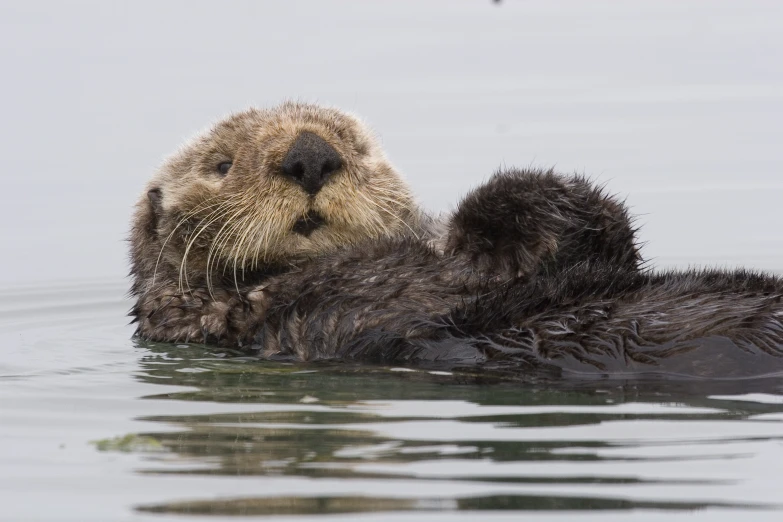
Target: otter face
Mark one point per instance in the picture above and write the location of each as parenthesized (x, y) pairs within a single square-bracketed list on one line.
[(264, 188)]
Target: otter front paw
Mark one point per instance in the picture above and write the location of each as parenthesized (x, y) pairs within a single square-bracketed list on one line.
[(165, 314), (221, 317), (246, 317)]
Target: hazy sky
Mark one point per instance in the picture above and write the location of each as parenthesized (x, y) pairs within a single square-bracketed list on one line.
[(676, 104)]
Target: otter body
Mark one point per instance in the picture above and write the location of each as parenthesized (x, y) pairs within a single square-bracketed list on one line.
[(287, 233)]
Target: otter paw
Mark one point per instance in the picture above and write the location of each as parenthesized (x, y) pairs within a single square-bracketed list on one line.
[(244, 320), (167, 315), (214, 321)]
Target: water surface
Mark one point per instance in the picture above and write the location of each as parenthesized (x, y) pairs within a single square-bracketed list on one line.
[(114, 429)]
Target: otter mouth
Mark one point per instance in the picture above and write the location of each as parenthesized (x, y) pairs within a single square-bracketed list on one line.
[(309, 223)]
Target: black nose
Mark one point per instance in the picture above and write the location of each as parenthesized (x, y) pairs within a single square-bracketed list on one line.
[(310, 162)]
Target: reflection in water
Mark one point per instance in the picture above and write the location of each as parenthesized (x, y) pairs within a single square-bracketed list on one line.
[(333, 505), (515, 446)]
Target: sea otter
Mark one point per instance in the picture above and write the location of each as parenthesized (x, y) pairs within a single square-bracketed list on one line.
[(288, 233)]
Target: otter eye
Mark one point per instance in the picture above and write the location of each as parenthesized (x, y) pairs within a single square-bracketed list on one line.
[(224, 167)]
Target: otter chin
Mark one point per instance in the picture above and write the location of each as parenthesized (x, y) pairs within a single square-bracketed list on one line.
[(308, 224)]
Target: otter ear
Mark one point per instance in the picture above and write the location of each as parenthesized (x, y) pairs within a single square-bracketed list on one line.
[(155, 198)]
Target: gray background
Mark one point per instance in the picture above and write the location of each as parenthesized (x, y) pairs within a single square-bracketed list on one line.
[(677, 105)]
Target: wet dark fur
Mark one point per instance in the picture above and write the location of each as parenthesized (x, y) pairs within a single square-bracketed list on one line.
[(539, 272), (586, 319), (522, 222), (535, 221), (593, 319)]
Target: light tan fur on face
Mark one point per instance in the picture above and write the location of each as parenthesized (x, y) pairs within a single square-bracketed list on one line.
[(210, 226)]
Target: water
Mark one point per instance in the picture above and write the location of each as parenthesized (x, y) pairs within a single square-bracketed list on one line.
[(676, 105), (112, 429)]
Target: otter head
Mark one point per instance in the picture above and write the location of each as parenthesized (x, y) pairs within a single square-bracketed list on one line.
[(261, 190)]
